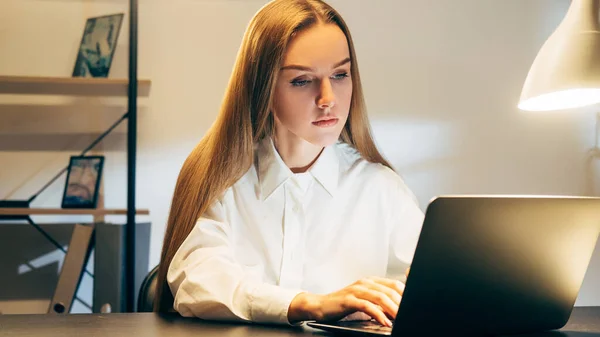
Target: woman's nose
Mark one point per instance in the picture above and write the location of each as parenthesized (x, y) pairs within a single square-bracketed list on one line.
[(326, 97)]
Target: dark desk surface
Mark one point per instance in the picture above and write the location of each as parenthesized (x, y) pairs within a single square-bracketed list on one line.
[(585, 322)]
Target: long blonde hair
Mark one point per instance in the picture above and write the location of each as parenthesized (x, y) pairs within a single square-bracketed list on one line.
[(226, 152)]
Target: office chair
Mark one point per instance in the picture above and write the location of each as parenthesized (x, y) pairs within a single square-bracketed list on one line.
[(147, 293)]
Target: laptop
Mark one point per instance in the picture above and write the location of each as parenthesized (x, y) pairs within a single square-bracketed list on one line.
[(493, 265)]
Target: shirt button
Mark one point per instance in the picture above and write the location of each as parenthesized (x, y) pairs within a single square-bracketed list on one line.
[(295, 208)]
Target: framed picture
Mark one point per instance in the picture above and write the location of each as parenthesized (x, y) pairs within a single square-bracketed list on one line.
[(98, 46), (83, 182)]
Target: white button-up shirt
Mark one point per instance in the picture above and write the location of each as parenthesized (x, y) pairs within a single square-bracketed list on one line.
[(274, 234)]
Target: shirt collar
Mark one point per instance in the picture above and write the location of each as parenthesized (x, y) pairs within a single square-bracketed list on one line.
[(326, 169), (273, 172)]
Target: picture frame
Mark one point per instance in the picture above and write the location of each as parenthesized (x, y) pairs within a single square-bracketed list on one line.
[(83, 182), (98, 45)]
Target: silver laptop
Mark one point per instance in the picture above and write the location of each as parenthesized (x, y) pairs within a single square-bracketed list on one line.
[(493, 265)]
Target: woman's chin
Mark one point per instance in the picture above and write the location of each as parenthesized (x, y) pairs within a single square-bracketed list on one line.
[(325, 140)]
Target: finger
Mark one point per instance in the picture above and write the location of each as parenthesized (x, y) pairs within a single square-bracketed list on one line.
[(393, 294), (394, 284), (378, 298), (386, 314), (371, 310)]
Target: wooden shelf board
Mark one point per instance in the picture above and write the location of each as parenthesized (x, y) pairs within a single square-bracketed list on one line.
[(77, 86), (60, 211)]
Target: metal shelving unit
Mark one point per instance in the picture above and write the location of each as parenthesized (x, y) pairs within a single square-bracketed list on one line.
[(78, 86)]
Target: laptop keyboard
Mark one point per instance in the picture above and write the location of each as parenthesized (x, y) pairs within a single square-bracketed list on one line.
[(369, 325)]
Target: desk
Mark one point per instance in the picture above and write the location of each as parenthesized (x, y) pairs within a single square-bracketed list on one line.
[(585, 322)]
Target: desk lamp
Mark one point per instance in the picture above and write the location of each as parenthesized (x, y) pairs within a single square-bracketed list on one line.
[(566, 72)]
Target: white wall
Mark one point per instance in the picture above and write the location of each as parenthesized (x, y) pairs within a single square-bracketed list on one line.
[(442, 79)]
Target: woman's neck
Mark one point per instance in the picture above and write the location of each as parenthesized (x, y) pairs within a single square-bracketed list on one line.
[(298, 154)]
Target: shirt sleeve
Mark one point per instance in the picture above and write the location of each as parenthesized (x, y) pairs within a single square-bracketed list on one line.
[(207, 281), (406, 219)]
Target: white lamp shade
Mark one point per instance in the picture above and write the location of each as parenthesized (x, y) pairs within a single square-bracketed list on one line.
[(566, 72)]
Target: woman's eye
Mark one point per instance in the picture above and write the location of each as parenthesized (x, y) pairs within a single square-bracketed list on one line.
[(340, 76), (299, 83)]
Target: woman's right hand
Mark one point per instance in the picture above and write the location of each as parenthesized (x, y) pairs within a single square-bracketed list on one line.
[(375, 296)]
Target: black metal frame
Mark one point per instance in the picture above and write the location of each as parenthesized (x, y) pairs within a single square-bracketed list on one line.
[(131, 157)]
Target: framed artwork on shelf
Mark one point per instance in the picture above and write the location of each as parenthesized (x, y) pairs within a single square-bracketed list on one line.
[(97, 46), (83, 182)]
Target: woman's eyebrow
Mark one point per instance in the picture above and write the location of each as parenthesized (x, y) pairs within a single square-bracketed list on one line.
[(304, 68)]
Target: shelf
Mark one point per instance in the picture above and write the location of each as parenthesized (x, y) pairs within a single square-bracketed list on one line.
[(61, 211), (76, 86)]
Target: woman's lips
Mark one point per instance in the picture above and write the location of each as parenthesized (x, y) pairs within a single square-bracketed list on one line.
[(326, 123)]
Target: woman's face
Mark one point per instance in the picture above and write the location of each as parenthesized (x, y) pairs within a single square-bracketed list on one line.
[(314, 88)]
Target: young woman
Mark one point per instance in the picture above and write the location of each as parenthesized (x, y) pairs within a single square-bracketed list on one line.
[(286, 211)]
